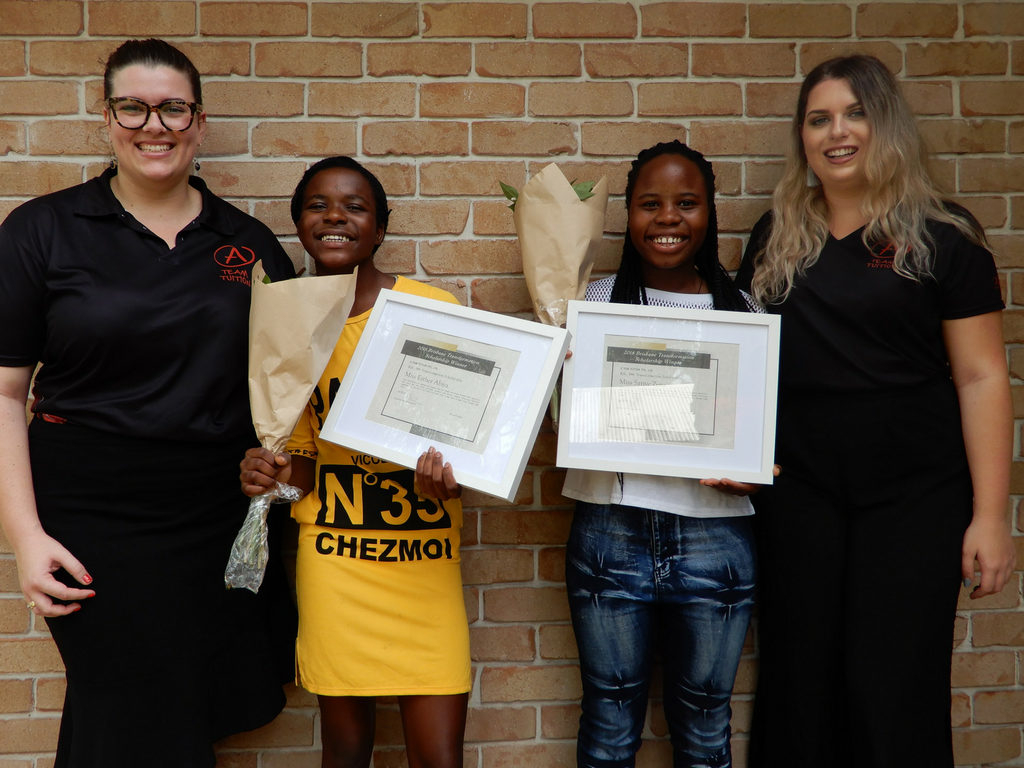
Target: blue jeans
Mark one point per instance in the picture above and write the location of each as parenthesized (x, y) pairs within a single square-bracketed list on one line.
[(637, 574)]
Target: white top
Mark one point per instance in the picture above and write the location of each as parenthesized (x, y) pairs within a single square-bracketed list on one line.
[(677, 495)]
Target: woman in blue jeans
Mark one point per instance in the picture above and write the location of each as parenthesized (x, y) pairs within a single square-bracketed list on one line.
[(661, 558)]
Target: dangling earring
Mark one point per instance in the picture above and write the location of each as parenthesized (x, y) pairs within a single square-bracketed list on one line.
[(197, 165), (112, 164)]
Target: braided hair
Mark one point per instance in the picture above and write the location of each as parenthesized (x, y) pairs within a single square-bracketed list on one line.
[(629, 280)]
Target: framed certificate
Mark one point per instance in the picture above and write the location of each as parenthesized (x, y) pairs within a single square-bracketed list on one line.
[(470, 383), (675, 392)]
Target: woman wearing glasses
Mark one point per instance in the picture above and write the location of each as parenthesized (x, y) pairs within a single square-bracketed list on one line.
[(132, 291)]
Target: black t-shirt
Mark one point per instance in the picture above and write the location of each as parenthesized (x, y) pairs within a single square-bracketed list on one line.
[(852, 324), (134, 337)]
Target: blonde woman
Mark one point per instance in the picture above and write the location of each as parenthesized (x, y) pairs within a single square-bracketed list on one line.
[(894, 435)]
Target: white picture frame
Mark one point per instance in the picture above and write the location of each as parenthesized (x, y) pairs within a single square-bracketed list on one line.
[(473, 384), (670, 391)]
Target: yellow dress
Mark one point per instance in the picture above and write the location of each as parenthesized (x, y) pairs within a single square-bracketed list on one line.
[(378, 579)]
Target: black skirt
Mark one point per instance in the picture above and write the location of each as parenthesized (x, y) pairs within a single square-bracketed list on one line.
[(163, 661)]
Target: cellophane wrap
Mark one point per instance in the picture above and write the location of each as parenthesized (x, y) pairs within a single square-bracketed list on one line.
[(248, 560), (559, 236), (294, 326)]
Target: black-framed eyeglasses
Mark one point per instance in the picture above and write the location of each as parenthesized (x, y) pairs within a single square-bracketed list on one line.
[(173, 114)]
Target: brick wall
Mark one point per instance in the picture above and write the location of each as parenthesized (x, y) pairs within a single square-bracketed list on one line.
[(444, 99)]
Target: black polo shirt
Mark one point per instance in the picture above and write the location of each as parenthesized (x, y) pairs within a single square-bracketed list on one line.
[(134, 337), (852, 324)]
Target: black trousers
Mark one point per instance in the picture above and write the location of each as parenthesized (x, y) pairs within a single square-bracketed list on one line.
[(859, 546)]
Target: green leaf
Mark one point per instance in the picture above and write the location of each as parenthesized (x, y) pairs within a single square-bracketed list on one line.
[(266, 279), (584, 189), (511, 193)]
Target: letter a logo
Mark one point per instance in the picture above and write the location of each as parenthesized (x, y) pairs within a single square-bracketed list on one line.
[(234, 256)]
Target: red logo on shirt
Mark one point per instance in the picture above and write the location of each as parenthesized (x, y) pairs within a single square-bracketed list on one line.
[(232, 256), (882, 256)]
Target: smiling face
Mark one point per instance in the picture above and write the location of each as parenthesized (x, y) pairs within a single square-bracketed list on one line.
[(836, 134), (668, 221), (338, 223), (152, 153)]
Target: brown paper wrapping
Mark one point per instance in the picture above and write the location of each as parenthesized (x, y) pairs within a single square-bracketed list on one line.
[(294, 326), (559, 235)]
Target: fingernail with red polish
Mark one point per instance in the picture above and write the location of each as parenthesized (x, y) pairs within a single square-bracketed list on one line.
[(87, 579)]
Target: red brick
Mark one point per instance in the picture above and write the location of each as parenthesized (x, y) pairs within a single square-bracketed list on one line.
[(962, 136), (750, 59), (248, 179), (362, 99), (560, 721), (636, 59), (474, 20), (1017, 59), (509, 138), (416, 138), (525, 527), (252, 19), (428, 217), (771, 99), (502, 294), (15, 696), (67, 137), (501, 723), (615, 221), (694, 19), (1017, 206), (990, 211), (435, 59), (54, 17), (557, 641), (551, 482), (309, 59), (544, 449), (788, 21), (627, 139), (139, 19), (69, 58), (8, 575), (1017, 137), (502, 643), (551, 564), (472, 100), (957, 59), (812, 54), (727, 177), (375, 19), (37, 178), (496, 566), (975, 670), (36, 734), (528, 59), (991, 98), (472, 599), (277, 139), (572, 99), (998, 707), (12, 58), (260, 99), (492, 218), (540, 683), (907, 20), (217, 58), (460, 257), (50, 694), (551, 755), (929, 98), (735, 138), (992, 174), (986, 745), (396, 257), (569, 20), (225, 138), (997, 628), (470, 178), (999, 18), (37, 97), (741, 215), (29, 655), (960, 710), (663, 99)]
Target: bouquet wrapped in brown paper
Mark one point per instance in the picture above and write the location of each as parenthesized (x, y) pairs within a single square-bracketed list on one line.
[(294, 326), (559, 226)]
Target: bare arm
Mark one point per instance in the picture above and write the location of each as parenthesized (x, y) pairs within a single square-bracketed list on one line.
[(977, 360), (38, 554)]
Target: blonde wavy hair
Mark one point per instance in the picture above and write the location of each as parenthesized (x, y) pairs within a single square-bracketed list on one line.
[(901, 195)]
